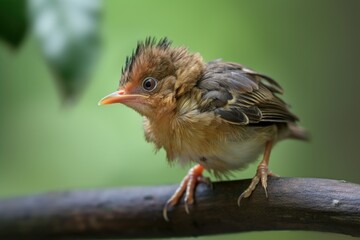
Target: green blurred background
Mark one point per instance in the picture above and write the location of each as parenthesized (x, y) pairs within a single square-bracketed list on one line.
[(310, 47)]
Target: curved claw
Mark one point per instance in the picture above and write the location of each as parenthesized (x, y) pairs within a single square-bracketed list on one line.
[(264, 185), (239, 198), (188, 201), (187, 208), (165, 210)]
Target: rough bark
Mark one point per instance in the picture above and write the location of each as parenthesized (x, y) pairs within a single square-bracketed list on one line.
[(293, 204)]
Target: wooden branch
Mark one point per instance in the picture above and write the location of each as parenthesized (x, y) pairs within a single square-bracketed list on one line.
[(293, 204)]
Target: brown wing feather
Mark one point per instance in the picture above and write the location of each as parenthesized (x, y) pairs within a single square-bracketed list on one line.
[(242, 96)]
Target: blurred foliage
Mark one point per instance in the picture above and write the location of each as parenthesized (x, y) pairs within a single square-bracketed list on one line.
[(310, 47), (13, 24), (68, 33)]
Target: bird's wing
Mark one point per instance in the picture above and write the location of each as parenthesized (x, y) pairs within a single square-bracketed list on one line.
[(241, 96)]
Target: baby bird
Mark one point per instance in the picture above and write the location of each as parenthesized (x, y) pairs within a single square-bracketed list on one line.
[(219, 115)]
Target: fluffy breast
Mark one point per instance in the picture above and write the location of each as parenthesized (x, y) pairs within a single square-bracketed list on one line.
[(206, 139)]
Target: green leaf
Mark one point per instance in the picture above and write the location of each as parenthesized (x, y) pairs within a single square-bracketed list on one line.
[(13, 22), (68, 31)]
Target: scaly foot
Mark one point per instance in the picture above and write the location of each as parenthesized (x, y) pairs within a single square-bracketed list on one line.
[(187, 186), (261, 174)]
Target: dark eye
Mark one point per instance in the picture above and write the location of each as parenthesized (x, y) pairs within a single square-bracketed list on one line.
[(149, 84)]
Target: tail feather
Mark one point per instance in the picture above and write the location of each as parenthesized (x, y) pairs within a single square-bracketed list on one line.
[(297, 132)]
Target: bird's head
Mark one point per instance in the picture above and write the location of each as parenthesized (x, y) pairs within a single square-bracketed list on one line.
[(155, 76)]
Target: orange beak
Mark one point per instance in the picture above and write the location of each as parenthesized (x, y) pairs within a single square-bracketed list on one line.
[(118, 97)]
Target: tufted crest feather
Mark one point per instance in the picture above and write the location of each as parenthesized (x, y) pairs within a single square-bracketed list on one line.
[(163, 43)]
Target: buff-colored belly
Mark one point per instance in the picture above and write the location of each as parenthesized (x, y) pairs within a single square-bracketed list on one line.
[(218, 146), (228, 154), (234, 155)]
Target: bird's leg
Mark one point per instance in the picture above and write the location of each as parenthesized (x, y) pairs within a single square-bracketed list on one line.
[(261, 174), (187, 186)]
